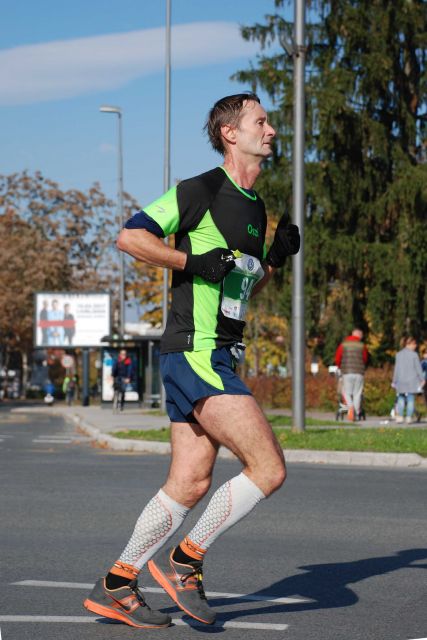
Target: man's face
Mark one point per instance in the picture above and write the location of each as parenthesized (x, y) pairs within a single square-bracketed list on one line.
[(122, 355), (253, 135)]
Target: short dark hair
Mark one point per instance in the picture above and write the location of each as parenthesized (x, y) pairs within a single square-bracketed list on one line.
[(226, 111)]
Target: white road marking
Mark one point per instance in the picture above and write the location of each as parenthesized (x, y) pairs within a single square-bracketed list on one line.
[(255, 598), (211, 594), (58, 438), (177, 621), (61, 436), (49, 583), (46, 619), (52, 441)]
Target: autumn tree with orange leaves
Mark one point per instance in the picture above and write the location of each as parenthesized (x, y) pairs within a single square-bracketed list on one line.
[(53, 240)]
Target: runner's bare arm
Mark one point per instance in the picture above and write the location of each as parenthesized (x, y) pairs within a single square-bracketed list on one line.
[(268, 272), (148, 248)]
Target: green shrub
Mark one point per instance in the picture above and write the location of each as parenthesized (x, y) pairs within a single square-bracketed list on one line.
[(321, 392)]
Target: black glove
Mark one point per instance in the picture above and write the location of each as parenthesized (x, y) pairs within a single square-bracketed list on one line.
[(212, 266), (286, 242)]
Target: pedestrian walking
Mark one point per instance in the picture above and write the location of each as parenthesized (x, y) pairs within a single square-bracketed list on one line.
[(408, 380), (424, 368), (218, 263), (69, 388), (351, 357)]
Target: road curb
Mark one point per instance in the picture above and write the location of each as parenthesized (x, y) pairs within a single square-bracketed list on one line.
[(352, 458), (357, 458), (123, 444), (310, 456)]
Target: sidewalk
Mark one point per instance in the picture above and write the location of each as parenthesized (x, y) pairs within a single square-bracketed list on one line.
[(100, 423)]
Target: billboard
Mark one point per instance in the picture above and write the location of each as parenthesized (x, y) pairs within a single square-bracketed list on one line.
[(71, 319)]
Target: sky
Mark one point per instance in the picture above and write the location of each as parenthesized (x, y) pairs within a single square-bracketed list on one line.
[(60, 61)]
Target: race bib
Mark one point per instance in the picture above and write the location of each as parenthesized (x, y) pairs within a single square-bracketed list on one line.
[(238, 286)]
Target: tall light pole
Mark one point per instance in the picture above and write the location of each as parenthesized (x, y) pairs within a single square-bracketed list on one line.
[(118, 112), (298, 325), (297, 50), (166, 166), (166, 159)]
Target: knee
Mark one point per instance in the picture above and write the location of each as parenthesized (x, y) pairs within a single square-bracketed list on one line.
[(188, 491), (270, 477), (199, 488), (276, 478)]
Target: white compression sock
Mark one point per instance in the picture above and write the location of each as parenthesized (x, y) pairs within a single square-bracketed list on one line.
[(161, 517), (229, 504)]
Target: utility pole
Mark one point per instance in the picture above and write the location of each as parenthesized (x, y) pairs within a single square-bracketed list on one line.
[(298, 320), (297, 50), (166, 160), (166, 166), (118, 112)]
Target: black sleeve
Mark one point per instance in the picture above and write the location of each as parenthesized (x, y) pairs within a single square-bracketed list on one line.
[(142, 220)]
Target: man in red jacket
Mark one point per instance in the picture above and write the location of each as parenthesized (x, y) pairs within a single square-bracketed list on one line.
[(122, 375), (352, 357)]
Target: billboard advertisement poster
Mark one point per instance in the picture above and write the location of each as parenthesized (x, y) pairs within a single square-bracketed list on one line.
[(109, 357), (69, 319)]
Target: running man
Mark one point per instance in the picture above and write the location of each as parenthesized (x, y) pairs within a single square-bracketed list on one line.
[(218, 263)]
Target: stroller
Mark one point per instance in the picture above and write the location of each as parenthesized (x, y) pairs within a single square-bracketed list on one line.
[(342, 409)]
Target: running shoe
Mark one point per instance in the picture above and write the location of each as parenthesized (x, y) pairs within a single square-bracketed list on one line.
[(126, 604), (183, 583)]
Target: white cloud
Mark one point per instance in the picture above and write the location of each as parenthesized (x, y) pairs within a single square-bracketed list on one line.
[(68, 68)]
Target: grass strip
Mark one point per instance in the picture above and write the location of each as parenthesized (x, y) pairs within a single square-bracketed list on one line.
[(381, 440), (286, 421), (156, 435)]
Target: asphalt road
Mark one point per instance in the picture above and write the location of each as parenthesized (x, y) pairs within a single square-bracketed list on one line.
[(345, 549)]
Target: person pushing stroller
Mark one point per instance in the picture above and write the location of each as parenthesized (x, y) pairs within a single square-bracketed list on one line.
[(351, 357)]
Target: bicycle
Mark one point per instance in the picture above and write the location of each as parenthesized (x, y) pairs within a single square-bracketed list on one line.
[(118, 399)]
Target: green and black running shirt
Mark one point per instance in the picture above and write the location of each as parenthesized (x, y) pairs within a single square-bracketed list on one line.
[(205, 212)]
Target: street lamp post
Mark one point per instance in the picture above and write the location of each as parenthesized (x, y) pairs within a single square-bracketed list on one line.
[(298, 326), (118, 112), (166, 160), (166, 165)]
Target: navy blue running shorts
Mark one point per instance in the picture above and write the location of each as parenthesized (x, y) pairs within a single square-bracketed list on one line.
[(189, 376)]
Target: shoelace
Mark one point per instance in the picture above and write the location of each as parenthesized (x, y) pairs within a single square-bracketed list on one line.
[(133, 586), (198, 574)]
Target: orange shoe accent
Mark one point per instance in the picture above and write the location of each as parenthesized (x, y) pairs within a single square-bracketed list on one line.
[(124, 570), (192, 549), (106, 612), (165, 584)]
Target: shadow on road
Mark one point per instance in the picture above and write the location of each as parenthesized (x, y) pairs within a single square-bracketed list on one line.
[(327, 585)]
